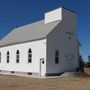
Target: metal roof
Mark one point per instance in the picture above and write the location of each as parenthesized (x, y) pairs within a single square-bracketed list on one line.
[(34, 31)]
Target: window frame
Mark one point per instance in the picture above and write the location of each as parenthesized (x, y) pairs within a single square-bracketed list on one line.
[(17, 56), (56, 57), (0, 57), (29, 55), (8, 57)]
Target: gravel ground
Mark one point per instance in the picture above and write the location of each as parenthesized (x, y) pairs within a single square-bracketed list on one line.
[(28, 83)]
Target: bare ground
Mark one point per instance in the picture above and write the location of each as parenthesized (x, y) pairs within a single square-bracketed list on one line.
[(28, 83)]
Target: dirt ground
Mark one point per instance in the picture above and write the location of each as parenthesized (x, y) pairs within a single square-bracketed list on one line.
[(28, 83)]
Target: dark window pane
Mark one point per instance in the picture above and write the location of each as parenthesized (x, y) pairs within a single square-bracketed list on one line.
[(7, 56), (7, 61), (57, 53), (17, 56), (17, 61), (17, 52), (29, 51), (30, 56), (29, 60), (56, 60), (8, 53)]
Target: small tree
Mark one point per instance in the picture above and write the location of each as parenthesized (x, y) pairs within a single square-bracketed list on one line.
[(81, 64), (88, 58), (88, 63)]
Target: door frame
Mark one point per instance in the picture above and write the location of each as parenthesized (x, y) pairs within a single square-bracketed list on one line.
[(41, 60)]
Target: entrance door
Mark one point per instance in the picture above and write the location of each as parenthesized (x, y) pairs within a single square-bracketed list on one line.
[(42, 68)]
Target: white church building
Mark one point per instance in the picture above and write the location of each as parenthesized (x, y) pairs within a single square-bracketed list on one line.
[(44, 48)]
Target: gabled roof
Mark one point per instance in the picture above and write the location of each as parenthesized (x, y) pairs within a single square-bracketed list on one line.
[(34, 31)]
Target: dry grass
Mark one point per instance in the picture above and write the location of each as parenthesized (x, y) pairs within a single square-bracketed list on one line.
[(27, 83)]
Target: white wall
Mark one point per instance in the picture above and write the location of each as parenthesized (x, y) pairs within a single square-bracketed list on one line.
[(38, 51), (58, 40)]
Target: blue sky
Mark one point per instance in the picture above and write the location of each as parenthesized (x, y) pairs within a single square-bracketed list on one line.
[(20, 12)]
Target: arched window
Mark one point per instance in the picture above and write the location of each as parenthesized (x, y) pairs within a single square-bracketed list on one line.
[(8, 56), (29, 56), (0, 57), (17, 56)]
